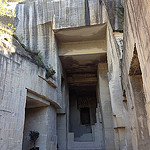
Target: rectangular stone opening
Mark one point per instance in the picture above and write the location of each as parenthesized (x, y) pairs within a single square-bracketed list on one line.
[(80, 56), (85, 116), (36, 119), (82, 112)]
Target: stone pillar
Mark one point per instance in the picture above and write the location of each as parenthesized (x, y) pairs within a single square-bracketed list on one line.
[(106, 110), (61, 131)]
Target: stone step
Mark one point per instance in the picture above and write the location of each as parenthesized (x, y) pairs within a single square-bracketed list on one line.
[(86, 149), (85, 137)]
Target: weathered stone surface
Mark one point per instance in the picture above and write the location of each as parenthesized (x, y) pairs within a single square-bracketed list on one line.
[(105, 102), (36, 18), (18, 75), (38, 119), (53, 27), (136, 37), (112, 8)]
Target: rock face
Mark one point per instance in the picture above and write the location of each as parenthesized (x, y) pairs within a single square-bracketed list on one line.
[(36, 19), (76, 38), (112, 9), (135, 72), (20, 77)]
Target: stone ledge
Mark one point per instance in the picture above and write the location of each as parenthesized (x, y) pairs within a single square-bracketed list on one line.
[(45, 98), (49, 82), (61, 111), (33, 101)]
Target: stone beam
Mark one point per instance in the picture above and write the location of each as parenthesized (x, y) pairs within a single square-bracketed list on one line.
[(35, 101), (82, 48), (84, 33), (76, 79), (44, 97)]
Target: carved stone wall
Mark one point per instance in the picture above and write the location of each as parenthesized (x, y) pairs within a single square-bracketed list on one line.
[(19, 75), (135, 72), (35, 24)]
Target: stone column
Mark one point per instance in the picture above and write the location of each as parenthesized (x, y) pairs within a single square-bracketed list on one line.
[(106, 110)]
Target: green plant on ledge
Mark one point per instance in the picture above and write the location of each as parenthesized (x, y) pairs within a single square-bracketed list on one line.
[(38, 59), (9, 29), (36, 56), (49, 71)]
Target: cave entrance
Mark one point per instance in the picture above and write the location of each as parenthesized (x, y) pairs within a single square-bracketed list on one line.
[(82, 112), (81, 49)]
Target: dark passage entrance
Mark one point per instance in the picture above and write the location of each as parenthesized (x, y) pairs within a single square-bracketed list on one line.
[(82, 111), (85, 116)]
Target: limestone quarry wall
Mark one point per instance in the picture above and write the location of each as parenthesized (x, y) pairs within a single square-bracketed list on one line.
[(36, 18), (136, 42), (35, 23), (18, 76), (105, 106), (120, 116), (112, 8)]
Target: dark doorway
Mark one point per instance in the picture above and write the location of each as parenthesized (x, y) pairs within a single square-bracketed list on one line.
[(85, 116)]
